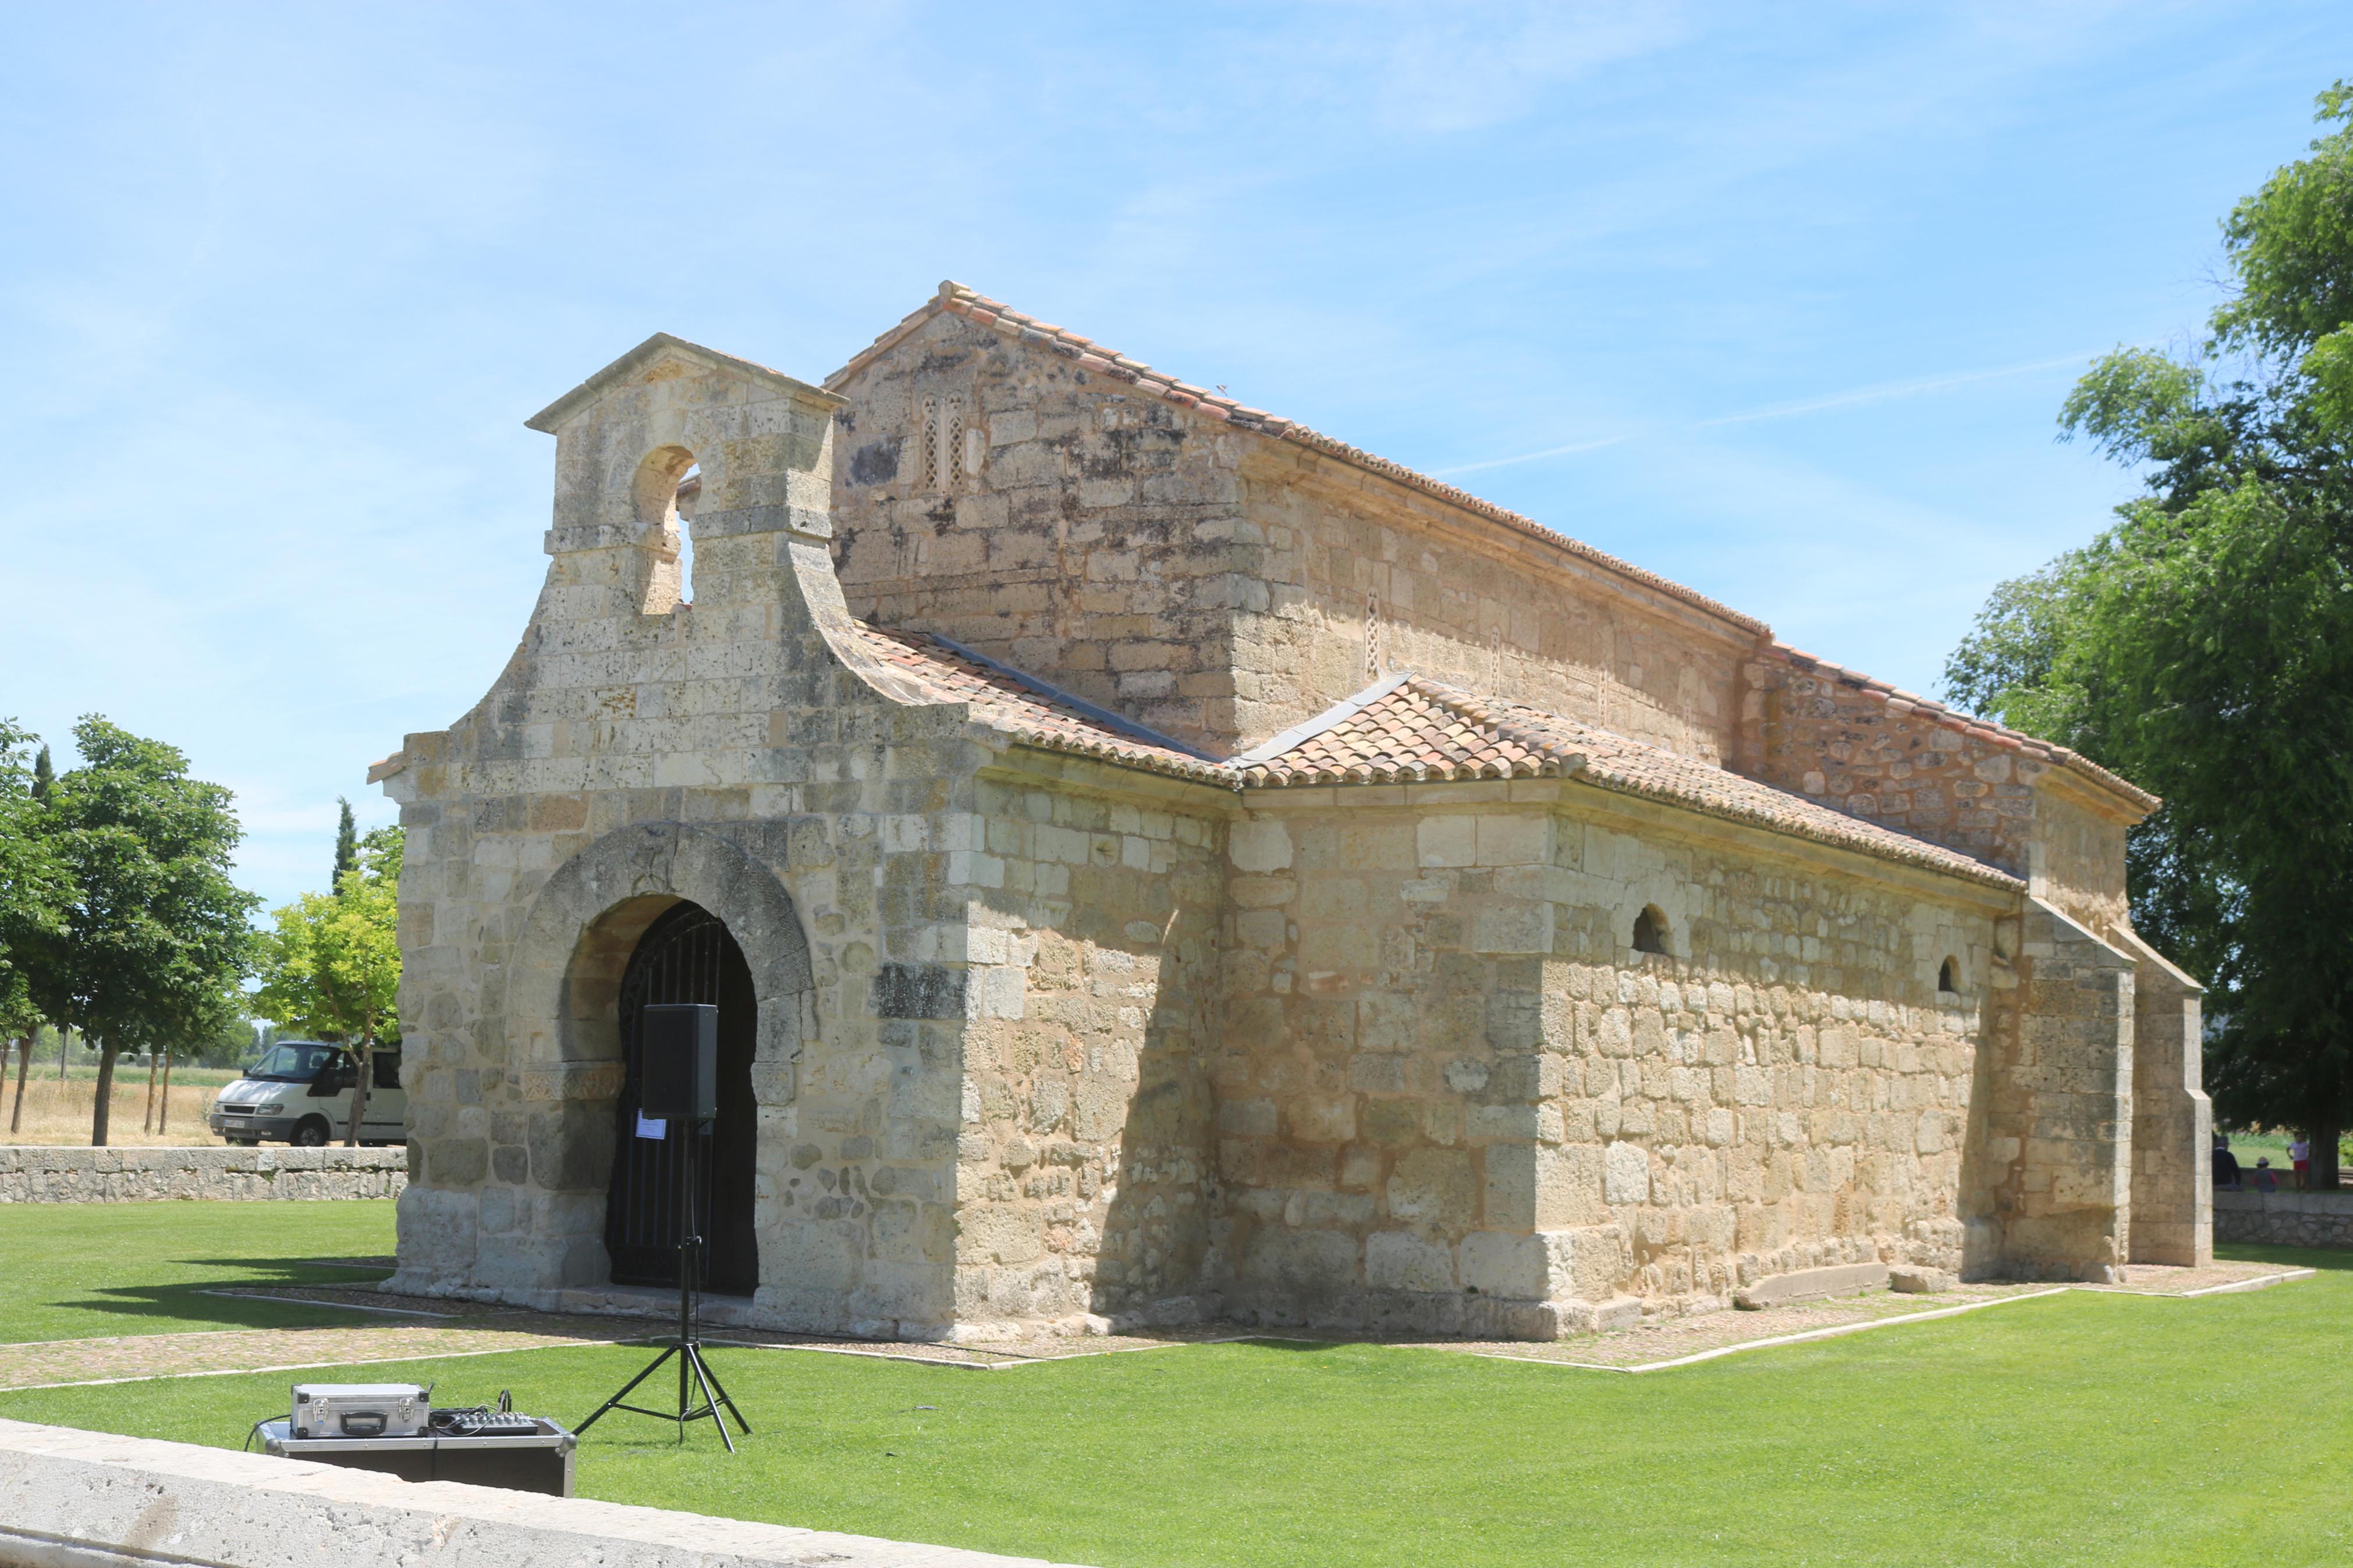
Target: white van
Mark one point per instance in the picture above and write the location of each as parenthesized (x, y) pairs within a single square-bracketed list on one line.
[(300, 1092)]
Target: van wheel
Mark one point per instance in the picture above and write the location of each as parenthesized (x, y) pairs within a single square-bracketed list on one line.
[(311, 1132)]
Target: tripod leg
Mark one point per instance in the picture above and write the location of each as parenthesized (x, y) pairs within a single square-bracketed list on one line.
[(702, 1375), (723, 1398), (616, 1400), (685, 1363)]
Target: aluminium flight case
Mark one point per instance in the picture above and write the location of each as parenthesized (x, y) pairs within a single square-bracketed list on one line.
[(540, 1462)]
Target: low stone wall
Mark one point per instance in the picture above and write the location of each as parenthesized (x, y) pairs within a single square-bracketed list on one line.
[(91, 1499), (2284, 1219), (42, 1174)]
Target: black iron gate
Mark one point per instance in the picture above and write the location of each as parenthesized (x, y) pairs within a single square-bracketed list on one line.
[(687, 955)]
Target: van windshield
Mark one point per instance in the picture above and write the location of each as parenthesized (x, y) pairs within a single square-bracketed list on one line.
[(296, 1063)]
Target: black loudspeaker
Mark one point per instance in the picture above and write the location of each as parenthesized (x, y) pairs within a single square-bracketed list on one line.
[(679, 1048)]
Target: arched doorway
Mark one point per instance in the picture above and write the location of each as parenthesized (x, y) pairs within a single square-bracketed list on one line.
[(687, 955)]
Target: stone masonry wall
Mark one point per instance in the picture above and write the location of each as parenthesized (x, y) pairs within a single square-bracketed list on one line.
[(2283, 1218), (1855, 746), (1451, 1098), (1079, 531), (1085, 1175), (1214, 584), (2055, 1161), (2076, 858), (2173, 1122), (1462, 599), (39, 1175), (1830, 738)]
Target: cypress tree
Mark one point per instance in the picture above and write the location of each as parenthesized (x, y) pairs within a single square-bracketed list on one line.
[(347, 846)]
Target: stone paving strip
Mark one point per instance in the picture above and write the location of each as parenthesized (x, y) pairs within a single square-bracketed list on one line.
[(451, 1329), (1679, 1341), (221, 1352)]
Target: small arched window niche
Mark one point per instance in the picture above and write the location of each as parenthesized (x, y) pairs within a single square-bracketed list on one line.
[(1948, 978), (669, 483), (1650, 931)]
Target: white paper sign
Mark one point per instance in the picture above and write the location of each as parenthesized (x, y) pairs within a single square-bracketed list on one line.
[(652, 1126)]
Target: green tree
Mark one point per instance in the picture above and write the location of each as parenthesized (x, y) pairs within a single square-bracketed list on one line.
[(347, 845), (330, 963), (33, 892), (155, 935), (232, 1044), (2204, 645)]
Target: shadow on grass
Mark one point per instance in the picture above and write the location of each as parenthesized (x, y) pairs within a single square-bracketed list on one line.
[(2321, 1258), (191, 1299)]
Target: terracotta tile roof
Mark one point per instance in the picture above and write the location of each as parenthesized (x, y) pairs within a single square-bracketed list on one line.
[(957, 300), (1901, 702), (1412, 728), (1403, 730), (1028, 708)]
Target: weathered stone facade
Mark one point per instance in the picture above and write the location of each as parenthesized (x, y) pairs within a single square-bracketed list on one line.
[(1515, 1124), (1130, 943)]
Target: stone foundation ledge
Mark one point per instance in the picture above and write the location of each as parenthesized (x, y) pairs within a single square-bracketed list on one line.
[(659, 1304), (46, 1173), (656, 1303), (2284, 1218), (89, 1500)]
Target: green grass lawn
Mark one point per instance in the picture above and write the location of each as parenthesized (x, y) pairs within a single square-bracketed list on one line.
[(2071, 1429), (81, 1270)]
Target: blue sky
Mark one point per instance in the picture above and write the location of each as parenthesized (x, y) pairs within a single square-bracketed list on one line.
[(1780, 301)]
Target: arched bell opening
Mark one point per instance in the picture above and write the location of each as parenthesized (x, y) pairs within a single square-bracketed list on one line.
[(686, 955)]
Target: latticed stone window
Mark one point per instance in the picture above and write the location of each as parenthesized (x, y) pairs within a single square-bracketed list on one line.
[(944, 450)]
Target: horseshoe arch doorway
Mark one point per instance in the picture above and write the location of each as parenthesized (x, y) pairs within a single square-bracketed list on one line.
[(687, 955)]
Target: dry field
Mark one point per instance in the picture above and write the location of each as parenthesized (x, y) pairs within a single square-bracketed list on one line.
[(58, 1112)]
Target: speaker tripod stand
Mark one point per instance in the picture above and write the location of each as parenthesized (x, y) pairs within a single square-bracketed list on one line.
[(694, 1373)]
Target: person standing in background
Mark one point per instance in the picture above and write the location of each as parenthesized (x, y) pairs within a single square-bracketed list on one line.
[(2226, 1165)]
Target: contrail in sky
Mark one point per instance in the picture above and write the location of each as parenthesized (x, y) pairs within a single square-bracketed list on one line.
[(1880, 393)]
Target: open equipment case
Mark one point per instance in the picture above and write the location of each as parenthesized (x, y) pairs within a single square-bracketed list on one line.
[(370, 1426)]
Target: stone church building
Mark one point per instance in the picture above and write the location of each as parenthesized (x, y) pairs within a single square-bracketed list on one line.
[(1156, 861)]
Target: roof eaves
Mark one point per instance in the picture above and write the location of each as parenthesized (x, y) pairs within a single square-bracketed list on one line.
[(1895, 846), (1801, 821)]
